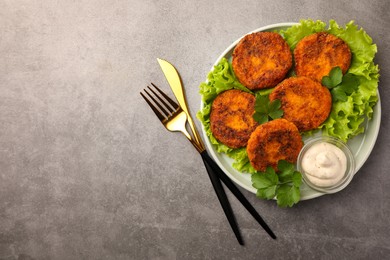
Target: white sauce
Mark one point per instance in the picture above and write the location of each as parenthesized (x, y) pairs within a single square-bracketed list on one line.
[(324, 164)]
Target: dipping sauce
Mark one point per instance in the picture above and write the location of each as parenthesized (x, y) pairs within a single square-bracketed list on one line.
[(324, 164)]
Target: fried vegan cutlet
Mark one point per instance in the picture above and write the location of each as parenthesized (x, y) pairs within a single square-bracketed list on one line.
[(305, 102), (261, 60), (231, 118), (315, 55), (276, 140)]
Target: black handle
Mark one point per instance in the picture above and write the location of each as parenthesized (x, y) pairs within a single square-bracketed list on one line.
[(229, 183), (222, 198)]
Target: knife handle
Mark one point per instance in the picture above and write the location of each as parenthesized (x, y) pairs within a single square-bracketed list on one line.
[(222, 197), (232, 187)]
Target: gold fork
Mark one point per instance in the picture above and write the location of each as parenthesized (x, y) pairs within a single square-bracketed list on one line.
[(171, 115), (174, 119)]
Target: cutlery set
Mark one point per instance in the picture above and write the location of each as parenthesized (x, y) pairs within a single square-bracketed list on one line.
[(174, 117)]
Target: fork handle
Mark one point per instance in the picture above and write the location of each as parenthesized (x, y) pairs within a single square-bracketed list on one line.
[(232, 187), (222, 197)]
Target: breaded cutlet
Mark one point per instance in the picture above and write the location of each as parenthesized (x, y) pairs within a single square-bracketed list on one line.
[(315, 55), (261, 60), (231, 117), (275, 140), (305, 102)]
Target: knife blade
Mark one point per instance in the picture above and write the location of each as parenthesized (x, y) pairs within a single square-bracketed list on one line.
[(175, 83)]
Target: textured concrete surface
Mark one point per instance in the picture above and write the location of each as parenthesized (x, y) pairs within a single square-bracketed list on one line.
[(88, 172)]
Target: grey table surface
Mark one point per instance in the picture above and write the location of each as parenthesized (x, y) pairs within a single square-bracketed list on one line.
[(88, 172)]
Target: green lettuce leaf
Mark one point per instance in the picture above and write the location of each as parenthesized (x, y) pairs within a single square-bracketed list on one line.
[(306, 27)]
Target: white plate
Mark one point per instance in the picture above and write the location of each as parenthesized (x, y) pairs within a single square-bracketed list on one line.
[(360, 145)]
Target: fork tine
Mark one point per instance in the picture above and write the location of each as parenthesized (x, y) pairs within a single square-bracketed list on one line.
[(168, 107), (155, 110), (162, 108), (173, 103)]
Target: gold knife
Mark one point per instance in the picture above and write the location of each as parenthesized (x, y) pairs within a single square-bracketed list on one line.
[(215, 173), (174, 81)]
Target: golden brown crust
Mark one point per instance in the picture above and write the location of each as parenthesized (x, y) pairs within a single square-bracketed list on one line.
[(276, 140), (261, 60), (305, 102), (315, 55), (231, 117)]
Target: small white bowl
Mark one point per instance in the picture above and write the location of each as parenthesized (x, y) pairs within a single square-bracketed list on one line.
[(348, 174)]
